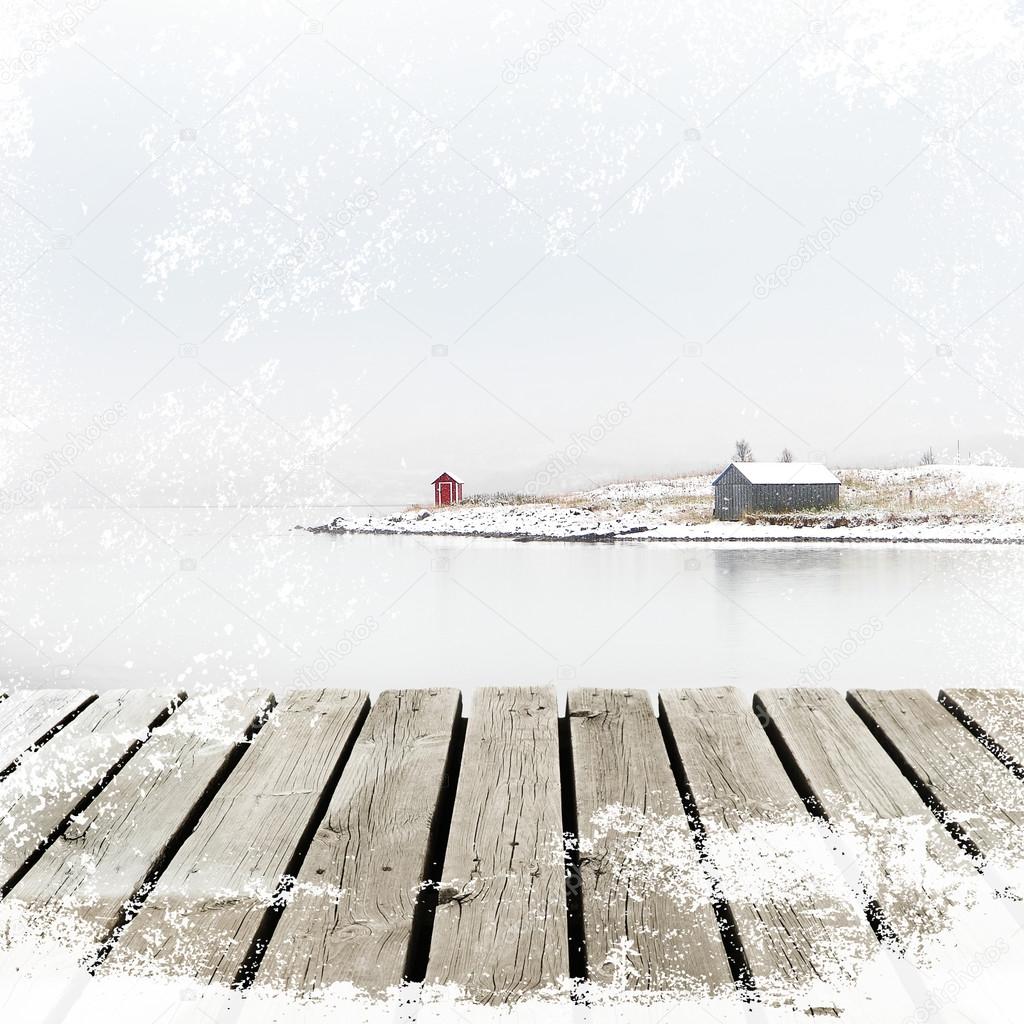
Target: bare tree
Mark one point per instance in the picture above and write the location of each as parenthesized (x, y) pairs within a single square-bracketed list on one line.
[(786, 456), (928, 457), (743, 453)]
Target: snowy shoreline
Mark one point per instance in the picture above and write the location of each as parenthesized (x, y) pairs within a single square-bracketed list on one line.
[(933, 504), (790, 535)]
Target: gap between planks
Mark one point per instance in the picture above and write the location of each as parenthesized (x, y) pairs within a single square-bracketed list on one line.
[(56, 781), (351, 914), (100, 865), (213, 909)]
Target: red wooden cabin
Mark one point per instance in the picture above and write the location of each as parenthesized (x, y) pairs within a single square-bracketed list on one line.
[(447, 490)]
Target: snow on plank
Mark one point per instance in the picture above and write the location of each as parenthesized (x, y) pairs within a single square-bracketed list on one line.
[(50, 783), (646, 902), (995, 716), (28, 717), (977, 798), (207, 912), (350, 916), (904, 859), (500, 930), (801, 927), (95, 871)]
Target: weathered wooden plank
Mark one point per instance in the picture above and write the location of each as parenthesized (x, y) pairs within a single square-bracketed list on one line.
[(975, 795), (996, 716), (800, 925), (50, 783), (649, 920), (102, 862), (500, 930), (27, 716), (350, 916), (903, 859), (207, 911)]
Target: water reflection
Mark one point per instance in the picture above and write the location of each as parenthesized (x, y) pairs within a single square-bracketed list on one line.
[(262, 603)]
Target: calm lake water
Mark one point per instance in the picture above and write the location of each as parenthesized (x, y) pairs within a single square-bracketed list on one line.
[(178, 598)]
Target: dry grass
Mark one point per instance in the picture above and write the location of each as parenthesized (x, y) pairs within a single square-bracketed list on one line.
[(505, 498), (923, 495)]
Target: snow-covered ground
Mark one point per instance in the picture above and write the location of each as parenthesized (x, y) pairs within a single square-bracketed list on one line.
[(923, 503)]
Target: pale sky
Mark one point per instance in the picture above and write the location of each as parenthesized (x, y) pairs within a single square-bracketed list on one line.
[(320, 252)]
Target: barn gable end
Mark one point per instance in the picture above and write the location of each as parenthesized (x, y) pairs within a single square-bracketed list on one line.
[(730, 475)]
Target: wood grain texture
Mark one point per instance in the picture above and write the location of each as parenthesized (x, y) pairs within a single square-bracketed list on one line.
[(103, 860), (996, 716), (51, 782), (649, 923), (800, 925), (904, 859), (179, 862), (350, 916), (26, 716), (206, 912), (965, 783), (500, 931)]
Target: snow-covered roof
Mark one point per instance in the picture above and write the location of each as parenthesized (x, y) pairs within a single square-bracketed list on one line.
[(451, 476), (784, 472)]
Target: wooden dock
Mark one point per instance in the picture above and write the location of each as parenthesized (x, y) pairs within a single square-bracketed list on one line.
[(688, 847)]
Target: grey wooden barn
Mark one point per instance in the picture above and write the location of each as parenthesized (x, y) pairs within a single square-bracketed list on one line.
[(773, 486)]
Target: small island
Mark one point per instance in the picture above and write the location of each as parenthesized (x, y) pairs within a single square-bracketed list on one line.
[(926, 503)]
